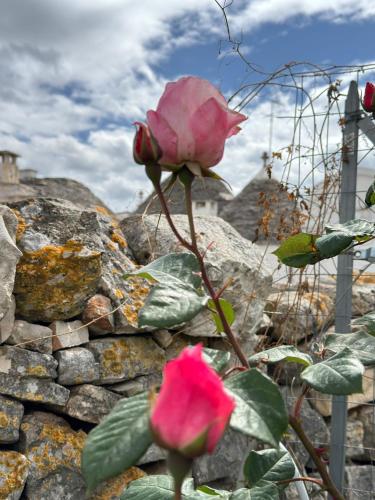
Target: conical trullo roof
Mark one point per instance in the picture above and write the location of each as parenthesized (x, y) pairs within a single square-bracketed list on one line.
[(263, 210)]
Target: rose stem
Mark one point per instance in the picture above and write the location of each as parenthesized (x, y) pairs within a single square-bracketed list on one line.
[(328, 483)]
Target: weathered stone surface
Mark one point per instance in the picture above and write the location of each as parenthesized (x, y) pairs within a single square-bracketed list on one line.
[(230, 259), (33, 389), (76, 366), (54, 453), (354, 446), (361, 433), (363, 299), (90, 403), (113, 488), (322, 402), (24, 363), (7, 321), (11, 413), (163, 338), (313, 423), (31, 336), (9, 256), (137, 385), (13, 473), (123, 358), (153, 454), (69, 255), (226, 461), (296, 316), (68, 334), (360, 482), (98, 312)]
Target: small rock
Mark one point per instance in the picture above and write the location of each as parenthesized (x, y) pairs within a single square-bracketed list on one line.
[(363, 299), (11, 413), (163, 338), (354, 445), (14, 468), (153, 454), (90, 403), (9, 256), (360, 482), (7, 322), (137, 385), (24, 363), (54, 450), (361, 425), (38, 337), (126, 357), (33, 389), (68, 334), (113, 488), (98, 312), (76, 366)]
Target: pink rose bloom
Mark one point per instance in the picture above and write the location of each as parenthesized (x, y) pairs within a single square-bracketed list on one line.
[(369, 98), (192, 409), (192, 122)]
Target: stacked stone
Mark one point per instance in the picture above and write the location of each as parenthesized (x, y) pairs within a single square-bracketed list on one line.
[(70, 342)]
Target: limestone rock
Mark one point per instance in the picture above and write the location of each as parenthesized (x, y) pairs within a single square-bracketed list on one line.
[(361, 433), (33, 389), (153, 454), (322, 402), (76, 366), (99, 309), (363, 299), (70, 254), (355, 445), (9, 256), (229, 258), (14, 469), (11, 413), (297, 316), (123, 358), (54, 453), (163, 338), (37, 337), (68, 334), (7, 321), (137, 385), (113, 488), (360, 482), (24, 363), (90, 403)]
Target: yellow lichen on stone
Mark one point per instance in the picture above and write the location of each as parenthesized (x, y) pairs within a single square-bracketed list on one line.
[(114, 357), (137, 296), (51, 280), (119, 293), (37, 371), (21, 228), (113, 488), (111, 246), (118, 238), (4, 419), (11, 479), (102, 210)]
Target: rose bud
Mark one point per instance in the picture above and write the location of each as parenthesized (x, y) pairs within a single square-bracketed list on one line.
[(369, 98), (192, 409), (145, 148), (191, 123)]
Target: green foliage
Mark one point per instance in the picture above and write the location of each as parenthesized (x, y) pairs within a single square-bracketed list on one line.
[(268, 466), (341, 374), (367, 321), (360, 343), (217, 359), (359, 229), (287, 353), (260, 410), (177, 297), (370, 195), (298, 250), (228, 311), (118, 442)]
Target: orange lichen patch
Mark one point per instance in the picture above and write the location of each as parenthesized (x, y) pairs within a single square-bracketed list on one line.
[(13, 467), (111, 246), (21, 228), (4, 419), (102, 210), (37, 371), (114, 357), (364, 279), (118, 238), (113, 488), (119, 293), (140, 289), (54, 281)]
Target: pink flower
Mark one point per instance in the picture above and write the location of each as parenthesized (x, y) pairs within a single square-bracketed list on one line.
[(192, 409), (145, 148), (192, 122), (369, 97)]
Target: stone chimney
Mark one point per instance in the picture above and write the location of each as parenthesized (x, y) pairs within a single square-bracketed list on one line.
[(9, 173)]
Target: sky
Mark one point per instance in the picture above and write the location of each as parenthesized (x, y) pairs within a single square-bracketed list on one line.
[(75, 75)]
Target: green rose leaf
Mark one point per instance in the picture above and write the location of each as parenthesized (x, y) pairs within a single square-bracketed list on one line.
[(217, 359), (227, 310), (265, 491), (341, 374), (367, 321), (180, 267), (359, 229), (298, 250), (333, 244), (287, 353), (370, 195), (260, 410), (170, 305), (118, 442), (360, 343), (268, 465)]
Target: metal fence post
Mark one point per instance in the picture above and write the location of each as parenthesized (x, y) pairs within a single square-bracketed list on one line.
[(345, 276)]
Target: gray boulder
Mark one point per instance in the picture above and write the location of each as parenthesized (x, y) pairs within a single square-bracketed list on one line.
[(14, 469), (360, 482), (11, 413)]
